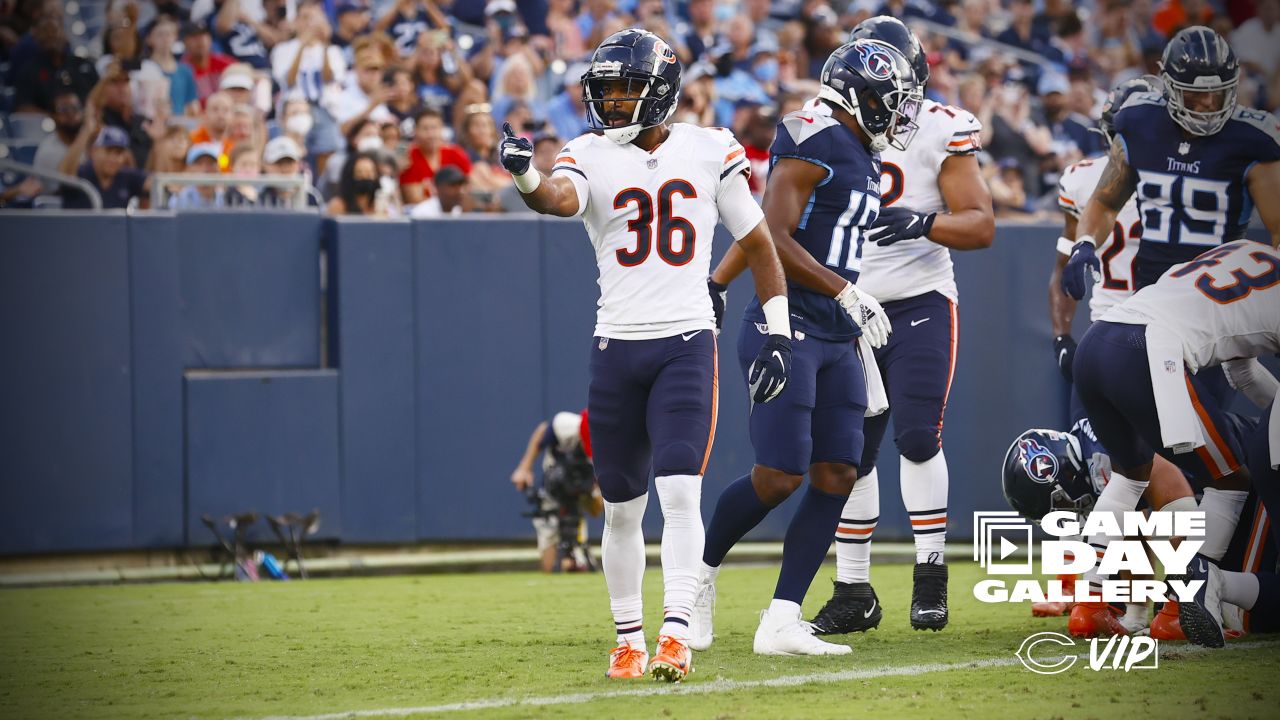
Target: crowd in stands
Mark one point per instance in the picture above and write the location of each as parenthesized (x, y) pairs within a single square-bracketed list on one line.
[(394, 107)]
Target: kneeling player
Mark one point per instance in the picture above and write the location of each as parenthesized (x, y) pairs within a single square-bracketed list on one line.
[(1135, 373)]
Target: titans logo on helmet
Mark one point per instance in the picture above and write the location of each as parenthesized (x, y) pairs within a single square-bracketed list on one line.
[(1039, 463), (877, 62)]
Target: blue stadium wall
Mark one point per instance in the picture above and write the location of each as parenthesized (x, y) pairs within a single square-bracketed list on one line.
[(155, 368)]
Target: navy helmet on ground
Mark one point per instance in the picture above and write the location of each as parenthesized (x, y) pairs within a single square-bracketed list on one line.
[(872, 81), (1119, 95), (652, 73), (893, 31), (1199, 60), (1043, 471)]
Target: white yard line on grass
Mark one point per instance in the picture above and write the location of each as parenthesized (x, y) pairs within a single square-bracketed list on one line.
[(715, 686)]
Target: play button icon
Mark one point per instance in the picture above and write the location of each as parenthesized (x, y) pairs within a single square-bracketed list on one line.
[(1007, 548)]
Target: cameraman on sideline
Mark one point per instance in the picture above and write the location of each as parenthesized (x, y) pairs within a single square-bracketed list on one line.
[(568, 488)]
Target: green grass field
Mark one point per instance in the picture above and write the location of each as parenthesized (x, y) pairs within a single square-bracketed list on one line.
[(526, 645)]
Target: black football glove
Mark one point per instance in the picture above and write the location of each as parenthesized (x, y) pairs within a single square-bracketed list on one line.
[(1081, 271), (515, 152), (895, 224), (1064, 349), (719, 293), (768, 373)]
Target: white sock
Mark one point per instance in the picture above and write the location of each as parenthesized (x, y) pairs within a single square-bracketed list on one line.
[(709, 573), (1121, 494), (1221, 510), (924, 493), (853, 535), (1240, 589), (784, 609), (682, 540), (622, 554), (1137, 613)]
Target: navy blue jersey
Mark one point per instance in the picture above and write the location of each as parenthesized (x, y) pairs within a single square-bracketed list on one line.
[(1191, 192), (839, 210)]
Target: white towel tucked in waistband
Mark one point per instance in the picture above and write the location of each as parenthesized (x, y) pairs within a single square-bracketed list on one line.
[(1179, 426), (877, 398)]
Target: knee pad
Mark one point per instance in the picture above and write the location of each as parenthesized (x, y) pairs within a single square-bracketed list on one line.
[(678, 458), (679, 495), (919, 444)]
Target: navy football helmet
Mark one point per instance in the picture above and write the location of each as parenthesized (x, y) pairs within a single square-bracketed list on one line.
[(1118, 96), (1043, 471), (893, 31), (872, 81), (652, 73), (1198, 60)]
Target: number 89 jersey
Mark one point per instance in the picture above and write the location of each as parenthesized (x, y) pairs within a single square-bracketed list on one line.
[(651, 217), (1224, 305), (1191, 191)]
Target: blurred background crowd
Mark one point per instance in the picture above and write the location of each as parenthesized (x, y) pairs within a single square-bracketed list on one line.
[(394, 107)]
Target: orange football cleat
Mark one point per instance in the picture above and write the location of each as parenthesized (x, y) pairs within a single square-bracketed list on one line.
[(1094, 619), (627, 662), (1165, 625), (674, 660)]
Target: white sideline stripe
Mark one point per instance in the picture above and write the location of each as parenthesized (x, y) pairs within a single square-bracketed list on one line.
[(718, 686)]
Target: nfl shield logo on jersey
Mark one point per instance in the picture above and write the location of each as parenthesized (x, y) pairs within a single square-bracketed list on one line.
[(604, 343), (1184, 148), (1170, 366)]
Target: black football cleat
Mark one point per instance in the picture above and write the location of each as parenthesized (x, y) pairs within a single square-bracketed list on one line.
[(853, 607), (929, 597)]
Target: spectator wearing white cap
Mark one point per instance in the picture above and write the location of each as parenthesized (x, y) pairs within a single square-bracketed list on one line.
[(238, 82), (282, 157)]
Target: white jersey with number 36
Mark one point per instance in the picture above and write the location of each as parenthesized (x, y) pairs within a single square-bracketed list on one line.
[(1224, 305), (651, 217), (1118, 250)]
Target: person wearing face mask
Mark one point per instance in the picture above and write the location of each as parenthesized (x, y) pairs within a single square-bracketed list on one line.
[(358, 187), (364, 136)]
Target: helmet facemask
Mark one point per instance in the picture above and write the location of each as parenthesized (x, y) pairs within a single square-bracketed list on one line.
[(644, 90), (1201, 122)]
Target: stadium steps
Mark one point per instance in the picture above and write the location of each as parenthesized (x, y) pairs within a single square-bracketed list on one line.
[(178, 566)]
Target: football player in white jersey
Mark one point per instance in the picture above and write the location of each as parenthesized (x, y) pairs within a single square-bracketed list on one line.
[(650, 195), (1135, 372), (933, 200)]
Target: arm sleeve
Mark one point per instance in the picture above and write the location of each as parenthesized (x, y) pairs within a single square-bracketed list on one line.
[(568, 166), (739, 212)]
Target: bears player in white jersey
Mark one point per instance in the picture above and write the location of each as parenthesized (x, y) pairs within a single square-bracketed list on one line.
[(1135, 371), (650, 195), (933, 200)]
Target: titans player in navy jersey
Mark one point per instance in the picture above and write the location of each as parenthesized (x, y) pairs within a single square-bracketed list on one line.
[(823, 193), (1197, 162)]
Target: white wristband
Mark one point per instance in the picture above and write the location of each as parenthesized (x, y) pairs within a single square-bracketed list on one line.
[(1087, 238), (777, 315), (1064, 245), (529, 181)]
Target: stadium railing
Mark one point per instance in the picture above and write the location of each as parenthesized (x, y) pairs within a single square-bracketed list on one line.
[(299, 187), (11, 166)]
